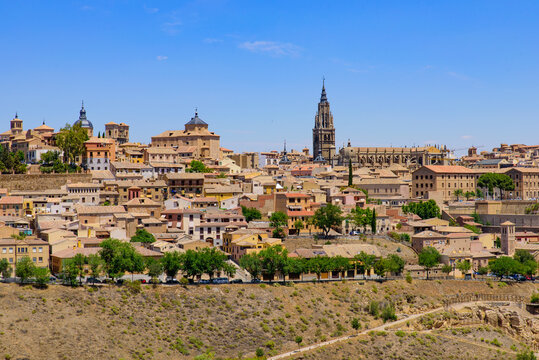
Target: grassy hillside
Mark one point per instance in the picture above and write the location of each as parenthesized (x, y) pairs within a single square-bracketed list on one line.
[(168, 322)]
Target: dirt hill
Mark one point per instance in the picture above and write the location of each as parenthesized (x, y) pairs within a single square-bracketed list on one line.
[(175, 322)]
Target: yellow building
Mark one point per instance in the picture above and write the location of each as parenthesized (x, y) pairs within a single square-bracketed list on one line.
[(247, 241), (14, 250), (222, 192)]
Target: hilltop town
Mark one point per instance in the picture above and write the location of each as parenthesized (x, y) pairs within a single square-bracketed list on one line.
[(81, 205)]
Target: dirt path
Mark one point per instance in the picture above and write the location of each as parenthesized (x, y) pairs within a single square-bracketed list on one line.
[(343, 338), (383, 327)]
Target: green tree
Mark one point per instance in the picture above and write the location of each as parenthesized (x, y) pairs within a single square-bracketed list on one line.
[(252, 263), (118, 257), (172, 263), (327, 217), (251, 213), (155, 268), (319, 265), (469, 194), (42, 276), (4, 267), (79, 260), (528, 265), (296, 265), (298, 339), (143, 236), (278, 220), (503, 266), (361, 217), (135, 263), (96, 265), (71, 141), (464, 266), (446, 269), (191, 264), (423, 209), (69, 272), (429, 257), (298, 225), (350, 174), (365, 262), (394, 264), (458, 193), (274, 259), (373, 221), (380, 268), (25, 269), (211, 261), (197, 167), (491, 181)]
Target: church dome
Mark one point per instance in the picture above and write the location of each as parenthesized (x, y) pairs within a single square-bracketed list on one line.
[(196, 120), (83, 122)]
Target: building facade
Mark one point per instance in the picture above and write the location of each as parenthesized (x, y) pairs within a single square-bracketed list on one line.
[(324, 131), (117, 132), (196, 134)]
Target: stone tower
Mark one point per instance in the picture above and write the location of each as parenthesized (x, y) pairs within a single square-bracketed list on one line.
[(323, 132), (16, 125), (507, 239)]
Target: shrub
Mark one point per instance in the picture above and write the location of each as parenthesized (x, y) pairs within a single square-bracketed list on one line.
[(133, 286), (535, 298), (259, 352), (408, 277), (374, 308), (356, 325), (400, 333), (270, 344), (388, 313), (495, 342), (526, 355)]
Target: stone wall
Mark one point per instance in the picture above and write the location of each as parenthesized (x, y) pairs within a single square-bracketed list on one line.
[(40, 181)]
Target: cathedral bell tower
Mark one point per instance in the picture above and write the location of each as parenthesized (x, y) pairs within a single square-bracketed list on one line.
[(323, 132)]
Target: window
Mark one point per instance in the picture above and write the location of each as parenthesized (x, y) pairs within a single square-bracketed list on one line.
[(11, 260), (40, 249), (4, 250), (34, 259), (11, 250), (34, 249)]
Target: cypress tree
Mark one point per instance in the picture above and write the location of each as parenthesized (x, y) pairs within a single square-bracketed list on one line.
[(373, 221), (350, 176)]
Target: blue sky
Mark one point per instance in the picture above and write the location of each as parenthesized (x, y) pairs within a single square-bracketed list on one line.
[(397, 72)]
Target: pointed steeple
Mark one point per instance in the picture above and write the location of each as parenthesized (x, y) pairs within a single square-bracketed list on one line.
[(284, 158), (323, 97), (82, 113)]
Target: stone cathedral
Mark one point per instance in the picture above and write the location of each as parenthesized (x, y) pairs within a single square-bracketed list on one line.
[(323, 132)]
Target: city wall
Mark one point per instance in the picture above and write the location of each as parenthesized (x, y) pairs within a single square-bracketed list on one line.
[(40, 181)]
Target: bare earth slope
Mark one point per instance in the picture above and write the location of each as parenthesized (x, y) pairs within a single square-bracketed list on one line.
[(173, 322)]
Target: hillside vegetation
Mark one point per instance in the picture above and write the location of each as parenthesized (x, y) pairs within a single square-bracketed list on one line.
[(230, 321)]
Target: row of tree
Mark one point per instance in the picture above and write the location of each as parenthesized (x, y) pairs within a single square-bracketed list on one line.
[(521, 263), (274, 260), (424, 209), (115, 258), (51, 162), (26, 269)]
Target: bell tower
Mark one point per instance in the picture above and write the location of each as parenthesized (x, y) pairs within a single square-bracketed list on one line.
[(323, 132)]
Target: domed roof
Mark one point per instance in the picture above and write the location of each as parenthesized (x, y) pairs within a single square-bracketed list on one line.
[(83, 122), (196, 120)]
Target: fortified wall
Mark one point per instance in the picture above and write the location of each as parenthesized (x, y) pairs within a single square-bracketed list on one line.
[(40, 181)]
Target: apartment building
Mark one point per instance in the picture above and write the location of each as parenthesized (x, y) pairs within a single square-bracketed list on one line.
[(14, 250), (442, 180)]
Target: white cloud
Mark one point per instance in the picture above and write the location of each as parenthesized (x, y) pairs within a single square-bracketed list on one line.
[(162, 57), (466, 137), (171, 27), (272, 48)]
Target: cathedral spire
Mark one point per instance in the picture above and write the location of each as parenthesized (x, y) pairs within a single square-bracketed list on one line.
[(323, 97)]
